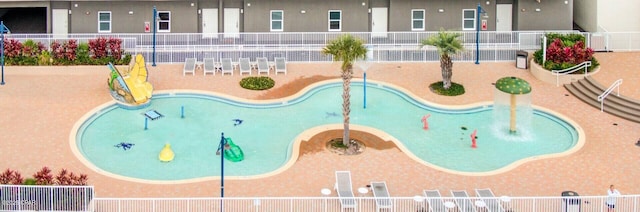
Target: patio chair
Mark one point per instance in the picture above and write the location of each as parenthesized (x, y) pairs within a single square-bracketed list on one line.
[(263, 65), (463, 201), (281, 65), (492, 203), (381, 195), (226, 66), (436, 203), (245, 66), (343, 188), (209, 66), (189, 66)]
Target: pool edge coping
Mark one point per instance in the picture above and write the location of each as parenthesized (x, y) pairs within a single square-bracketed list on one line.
[(307, 134)]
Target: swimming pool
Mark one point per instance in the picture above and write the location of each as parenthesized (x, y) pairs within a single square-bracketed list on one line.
[(270, 128)]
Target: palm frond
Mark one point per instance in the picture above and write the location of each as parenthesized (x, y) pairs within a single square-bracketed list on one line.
[(347, 49), (447, 43)]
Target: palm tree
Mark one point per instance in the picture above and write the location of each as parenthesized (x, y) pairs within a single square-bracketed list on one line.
[(347, 49), (447, 44)]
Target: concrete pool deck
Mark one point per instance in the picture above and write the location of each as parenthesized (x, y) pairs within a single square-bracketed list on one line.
[(40, 105)]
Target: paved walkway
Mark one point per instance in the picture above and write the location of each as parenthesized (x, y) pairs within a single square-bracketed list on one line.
[(39, 106)]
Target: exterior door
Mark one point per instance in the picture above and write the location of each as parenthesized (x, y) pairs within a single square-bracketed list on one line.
[(231, 22), (60, 23), (504, 17), (209, 23), (379, 22)]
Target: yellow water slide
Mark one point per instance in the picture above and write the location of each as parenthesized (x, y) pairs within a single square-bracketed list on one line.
[(137, 81)]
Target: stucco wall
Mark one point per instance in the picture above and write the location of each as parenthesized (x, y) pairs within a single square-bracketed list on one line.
[(552, 15), (585, 14), (619, 15), (84, 17), (449, 19), (306, 15)]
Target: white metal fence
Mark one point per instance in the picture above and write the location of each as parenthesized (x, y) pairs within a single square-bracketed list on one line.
[(307, 46), (629, 203), (81, 198), (45, 198)]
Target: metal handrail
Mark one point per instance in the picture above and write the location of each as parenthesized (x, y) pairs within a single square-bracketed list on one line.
[(558, 73), (615, 85)]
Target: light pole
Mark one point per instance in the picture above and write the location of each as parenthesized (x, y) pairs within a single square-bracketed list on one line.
[(479, 11), (3, 29), (221, 147), (155, 27), (364, 65)]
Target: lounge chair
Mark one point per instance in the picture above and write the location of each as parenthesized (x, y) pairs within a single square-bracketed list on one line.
[(492, 203), (436, 203), (263, 65), (381, 195), (463, 201), (281, 65), (343, 188), (189, 66), (227, 66), (245, 66), (209, 66)]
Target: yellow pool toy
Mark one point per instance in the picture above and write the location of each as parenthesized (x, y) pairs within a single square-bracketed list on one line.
[(166, 154)]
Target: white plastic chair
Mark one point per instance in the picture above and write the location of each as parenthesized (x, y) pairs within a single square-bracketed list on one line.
[(189, 66)]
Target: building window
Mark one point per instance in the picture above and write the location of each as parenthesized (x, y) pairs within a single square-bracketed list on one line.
[(335, 20), (469, 19), (164, 21), (277, 18), (417, 20), (104, 21)]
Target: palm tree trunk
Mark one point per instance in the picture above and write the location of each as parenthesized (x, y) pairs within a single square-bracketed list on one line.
[(346, 103), (446, 67)]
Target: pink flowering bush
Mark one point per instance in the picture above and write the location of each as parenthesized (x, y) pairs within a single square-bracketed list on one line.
[(565, 51)]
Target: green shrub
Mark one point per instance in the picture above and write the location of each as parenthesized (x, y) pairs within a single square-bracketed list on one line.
[(537, 56), (557, 57), (257, 83), (455, 89), (125, 60), (29, 181), (65, 53), (44, 58), (82, 54), (567, 39)]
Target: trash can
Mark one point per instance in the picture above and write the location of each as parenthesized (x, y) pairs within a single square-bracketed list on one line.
[(521, 59), (570, 201)]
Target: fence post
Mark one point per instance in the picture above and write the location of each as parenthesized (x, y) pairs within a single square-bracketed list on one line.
[(544, 50)]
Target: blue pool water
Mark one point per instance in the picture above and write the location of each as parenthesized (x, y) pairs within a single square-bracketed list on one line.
[(267, 132)]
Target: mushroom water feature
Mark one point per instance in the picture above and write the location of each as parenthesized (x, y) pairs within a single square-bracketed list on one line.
[(513, 86)]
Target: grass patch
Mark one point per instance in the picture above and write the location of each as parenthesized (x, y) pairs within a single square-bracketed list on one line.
[(455, 89), (257, 83), (337, 143)]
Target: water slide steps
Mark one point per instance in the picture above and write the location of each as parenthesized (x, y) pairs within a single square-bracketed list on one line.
[(120, 79)]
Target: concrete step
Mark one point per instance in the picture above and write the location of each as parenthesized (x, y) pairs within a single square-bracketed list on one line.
[(588, 91), (621, 99)]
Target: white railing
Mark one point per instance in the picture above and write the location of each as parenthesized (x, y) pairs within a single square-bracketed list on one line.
[(81, 198), (305, 46), (558, 73), (627, 203), (615, 85), (49, 198)]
